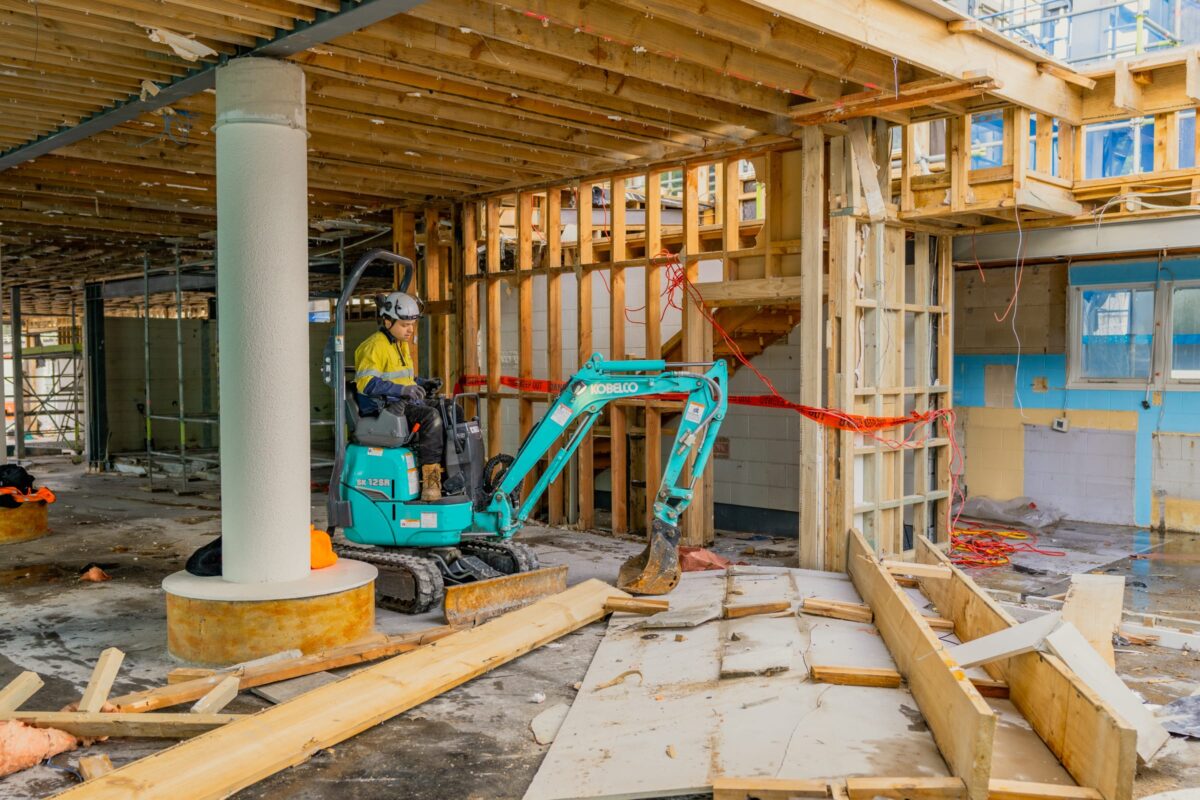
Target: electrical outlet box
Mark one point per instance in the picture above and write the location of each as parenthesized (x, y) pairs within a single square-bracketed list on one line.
[(1061, 424)]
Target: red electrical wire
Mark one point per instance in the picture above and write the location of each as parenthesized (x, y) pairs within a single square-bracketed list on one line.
[(982, 547)]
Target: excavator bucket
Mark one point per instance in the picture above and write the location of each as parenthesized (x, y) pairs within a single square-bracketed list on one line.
[(656, 569), (472, 603)]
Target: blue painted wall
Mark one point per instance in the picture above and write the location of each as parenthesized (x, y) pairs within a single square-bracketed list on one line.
[(1179, 410)]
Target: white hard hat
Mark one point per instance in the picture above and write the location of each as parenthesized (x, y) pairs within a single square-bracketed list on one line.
[(398, 305)]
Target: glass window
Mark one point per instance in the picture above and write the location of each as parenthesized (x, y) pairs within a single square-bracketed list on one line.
[(987, 139), (1185, 334), (1125, 147), (1116, 333), (1187, 139)]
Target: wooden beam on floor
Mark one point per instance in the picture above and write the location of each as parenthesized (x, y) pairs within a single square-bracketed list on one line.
[(1026, 790), (730, 788), (103, 675), (837, 609), (855, 676), (962, 723), (116, 724), (1094, 744), (92, 767), (18, 690), (227, 760), (274, 671), (905, 788), (219, 696)]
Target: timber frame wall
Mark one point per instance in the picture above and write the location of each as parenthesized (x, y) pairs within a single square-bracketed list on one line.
[(882, 278)]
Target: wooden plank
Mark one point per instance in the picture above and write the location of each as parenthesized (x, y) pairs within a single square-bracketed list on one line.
[(922, 40), (1026, 790), (914, 569), (103, 675), (586, 255), (1006, 643), (645, 606), (555, 496), (115, 724), (904, 788), (837, 609), (1127, 92), (1192, 76), (1093, 605), (492, 335), (654, 343), (812, 327), (1097, 748), (1076, 652), (226, 760), (739, 610), (867, 172), (92, 767), (18, 690), (961, 721), (525, 323), (753, 292), (990, 687), (274, 671), (1068, 75), (855, 676), (220, 696), (697, 522), (729, 788), (618, 419)]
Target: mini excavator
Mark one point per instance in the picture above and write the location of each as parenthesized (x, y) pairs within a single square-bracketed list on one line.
[(466, 537)]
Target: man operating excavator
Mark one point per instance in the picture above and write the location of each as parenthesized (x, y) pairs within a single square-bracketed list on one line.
[(384, 378)]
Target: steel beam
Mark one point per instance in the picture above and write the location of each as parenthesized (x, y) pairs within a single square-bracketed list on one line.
[(96, 376), (353, 15)]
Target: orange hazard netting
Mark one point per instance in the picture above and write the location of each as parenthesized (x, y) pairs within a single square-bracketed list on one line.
[(42, 495)]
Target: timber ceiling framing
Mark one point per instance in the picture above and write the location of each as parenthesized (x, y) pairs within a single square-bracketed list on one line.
[(452, 99)]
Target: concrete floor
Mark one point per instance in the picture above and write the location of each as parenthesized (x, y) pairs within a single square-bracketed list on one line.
[(472, 742)]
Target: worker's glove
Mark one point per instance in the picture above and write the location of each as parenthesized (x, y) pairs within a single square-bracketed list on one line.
[(431, 385), (412, 393)]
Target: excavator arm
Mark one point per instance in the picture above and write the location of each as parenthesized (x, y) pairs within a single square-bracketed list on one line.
[(598, 383)]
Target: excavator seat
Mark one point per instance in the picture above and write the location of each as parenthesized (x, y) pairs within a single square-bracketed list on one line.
[(385, 429)]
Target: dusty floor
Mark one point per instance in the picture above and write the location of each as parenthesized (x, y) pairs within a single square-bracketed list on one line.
[(473, 742)]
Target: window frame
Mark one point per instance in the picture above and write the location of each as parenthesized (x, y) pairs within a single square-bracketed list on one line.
[(1169, 382), (1075, 380)]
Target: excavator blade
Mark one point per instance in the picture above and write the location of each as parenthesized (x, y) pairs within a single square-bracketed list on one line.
[(656, 569), (472, 603)]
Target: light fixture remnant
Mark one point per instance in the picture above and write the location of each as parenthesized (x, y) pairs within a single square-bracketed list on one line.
[(185, 48)]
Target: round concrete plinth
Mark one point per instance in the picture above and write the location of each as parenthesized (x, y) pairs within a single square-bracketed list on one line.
[(213, 622), (23, 523)]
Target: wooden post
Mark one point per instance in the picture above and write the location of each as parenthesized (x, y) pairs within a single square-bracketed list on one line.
[(434, 292), (697, 528), (525, 321), (1044, 145), (587, 475), (494, 366), (618, 444), (654, 343), (554, 326), (812, 305), (469, 320), (958, 152), (731, 207), (404, 240), (908, 163)]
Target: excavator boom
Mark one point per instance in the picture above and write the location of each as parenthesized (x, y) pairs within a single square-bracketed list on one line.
[(595, 385)]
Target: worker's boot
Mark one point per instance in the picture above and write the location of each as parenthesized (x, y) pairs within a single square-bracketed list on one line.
[(431, 482)]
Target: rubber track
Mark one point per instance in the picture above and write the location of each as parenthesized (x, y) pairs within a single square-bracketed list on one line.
[(523, 554), (427, 577)]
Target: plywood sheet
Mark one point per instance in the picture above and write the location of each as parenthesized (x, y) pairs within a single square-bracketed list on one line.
[(684, 725)]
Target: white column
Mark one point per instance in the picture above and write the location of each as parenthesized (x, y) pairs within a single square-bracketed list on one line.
[(262, 300)]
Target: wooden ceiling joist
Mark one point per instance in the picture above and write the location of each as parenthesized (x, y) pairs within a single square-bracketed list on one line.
[(882, 102)]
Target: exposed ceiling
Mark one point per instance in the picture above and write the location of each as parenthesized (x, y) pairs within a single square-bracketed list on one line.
[(455, 98)]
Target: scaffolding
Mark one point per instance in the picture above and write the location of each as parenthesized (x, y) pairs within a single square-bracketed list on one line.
[(1083, 32), (188, 459)]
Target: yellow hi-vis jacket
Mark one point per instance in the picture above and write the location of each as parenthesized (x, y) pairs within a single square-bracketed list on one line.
[(380, 356)]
